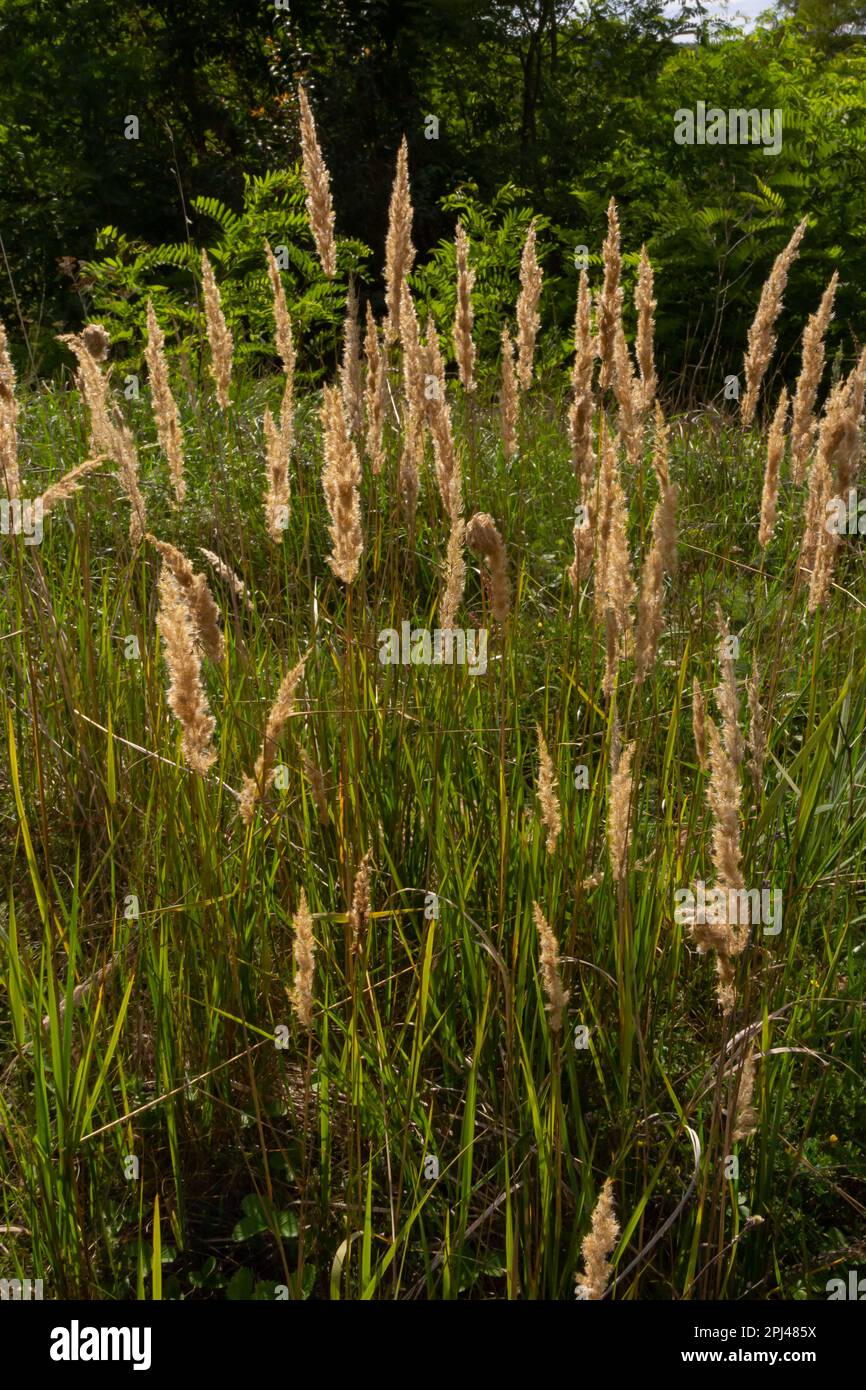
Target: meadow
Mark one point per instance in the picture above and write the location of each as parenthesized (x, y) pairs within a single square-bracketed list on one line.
[(330, 977)]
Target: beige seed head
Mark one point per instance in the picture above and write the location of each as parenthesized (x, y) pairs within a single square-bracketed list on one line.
[(227, 575), (68, 485), (218, 334), (186, 696), (557, 997), (164, 406), (775, 454), (580, 411), (93, 385), (254, 788), (96, 340), (528, 317), (277, 494), (598, 1247), (361, 901), (646, 307), (455, 571), (584, 544), (628, 393), (282, 321), (551, 816), (375, 385), (508, 398), (610, 300), (9, 469), (341, 480), (649, 615), (699, 723), (619, 811), (304, 953), (203, 612), (399, 251), (745, 1113), (762, 339), (350, 368), (811, 371), (483, 539), (464, 348), (317, 182)]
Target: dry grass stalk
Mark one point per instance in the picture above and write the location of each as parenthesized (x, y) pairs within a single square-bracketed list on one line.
[(483, 538), (448, 471), (409, 468), (218, 333), (725, 933), (455, 570), (762, 339), (831, 434), (580, 411), (614, 587), (227, 575), (93, 385), (164, 406), (125, 454), (186, 696), (350, 368), (745, 1114), (610, 299), (775, 454), (646, 307), (847, 455), (361, 901), (254, 788), (341, 479), (374, 394), (699, 723), (304, 953), (832, 474), (508, 398), (551, 979), (68, 485), (619, 808), (203, 611), (286, 349), (8, 422), (649, 613), (551, 815), (414, 367), (399, 251), (278, 493), (464, 348), (627, 392), (811, 371), (282, 321), (584, 544), (598, 1247), (727, 698), (317, 182), (528, 318)]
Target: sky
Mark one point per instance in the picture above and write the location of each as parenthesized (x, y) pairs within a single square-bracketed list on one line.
[(748, 8)]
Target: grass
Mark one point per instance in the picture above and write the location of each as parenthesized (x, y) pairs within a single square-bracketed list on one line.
[(174, 1134)]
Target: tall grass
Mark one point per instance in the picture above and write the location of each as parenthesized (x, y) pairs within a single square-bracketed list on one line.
[(399, 1029)]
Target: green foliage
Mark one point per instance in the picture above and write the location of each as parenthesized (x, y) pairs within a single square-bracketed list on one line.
[(120, 281)]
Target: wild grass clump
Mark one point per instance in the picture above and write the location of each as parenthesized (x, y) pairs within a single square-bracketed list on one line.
[(288, 938)]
